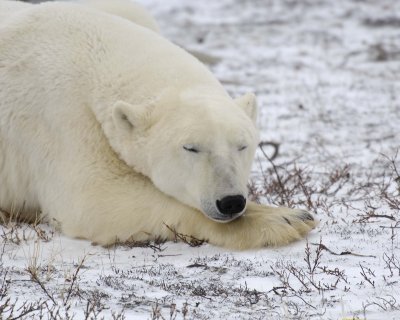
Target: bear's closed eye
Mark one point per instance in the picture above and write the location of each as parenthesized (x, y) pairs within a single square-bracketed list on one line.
[(190, 148)]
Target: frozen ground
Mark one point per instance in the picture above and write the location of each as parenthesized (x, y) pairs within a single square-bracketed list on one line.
[(327, 78)]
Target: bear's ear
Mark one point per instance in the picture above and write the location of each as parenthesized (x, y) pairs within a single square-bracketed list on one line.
[(128, 117), (248, 103)]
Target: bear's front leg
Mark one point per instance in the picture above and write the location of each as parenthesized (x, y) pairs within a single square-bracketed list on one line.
[(260, 226), (116, 212)]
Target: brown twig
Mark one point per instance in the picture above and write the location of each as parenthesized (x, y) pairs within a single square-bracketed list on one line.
[(275, 145), (343, 253), (190, 240)]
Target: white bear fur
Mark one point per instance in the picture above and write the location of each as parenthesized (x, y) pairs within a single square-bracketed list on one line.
[(95, 113), (7, 8)]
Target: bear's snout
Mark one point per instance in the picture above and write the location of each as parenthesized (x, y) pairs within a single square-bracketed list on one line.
[(231, 205)]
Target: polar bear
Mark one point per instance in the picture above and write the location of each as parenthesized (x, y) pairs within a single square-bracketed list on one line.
[(112, 133)]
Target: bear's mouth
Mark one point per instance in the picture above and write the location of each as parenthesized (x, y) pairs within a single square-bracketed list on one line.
[(214, 213), (224, 218)]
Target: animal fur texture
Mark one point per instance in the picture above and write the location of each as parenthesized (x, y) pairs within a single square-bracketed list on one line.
[(113, 133)]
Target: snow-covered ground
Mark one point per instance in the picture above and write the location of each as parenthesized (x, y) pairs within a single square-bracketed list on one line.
[(326, 74)]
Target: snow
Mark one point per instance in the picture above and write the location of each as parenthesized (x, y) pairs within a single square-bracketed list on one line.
[(326, 74)]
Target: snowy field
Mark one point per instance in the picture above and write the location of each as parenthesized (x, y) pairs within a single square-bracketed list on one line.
[(326, 74)]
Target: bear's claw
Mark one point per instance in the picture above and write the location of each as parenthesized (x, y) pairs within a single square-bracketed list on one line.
[(304, 215), (287, 221)]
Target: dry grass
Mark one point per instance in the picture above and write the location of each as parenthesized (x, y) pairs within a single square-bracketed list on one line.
[(358, 202)]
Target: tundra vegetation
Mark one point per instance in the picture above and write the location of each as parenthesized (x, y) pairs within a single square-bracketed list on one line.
[(326, 76)]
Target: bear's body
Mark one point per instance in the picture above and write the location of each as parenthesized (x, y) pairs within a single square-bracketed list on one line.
[(113, 133), (8, 8)]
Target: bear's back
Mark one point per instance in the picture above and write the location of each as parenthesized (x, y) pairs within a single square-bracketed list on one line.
[(97, 51)]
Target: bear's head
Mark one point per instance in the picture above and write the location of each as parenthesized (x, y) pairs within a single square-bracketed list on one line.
[(197, 148)]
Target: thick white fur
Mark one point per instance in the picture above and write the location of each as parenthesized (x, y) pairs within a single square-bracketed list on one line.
[(95, 113), (7, 8)]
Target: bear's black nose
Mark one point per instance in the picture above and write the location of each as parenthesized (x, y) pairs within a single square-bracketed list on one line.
[(231, 204)]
